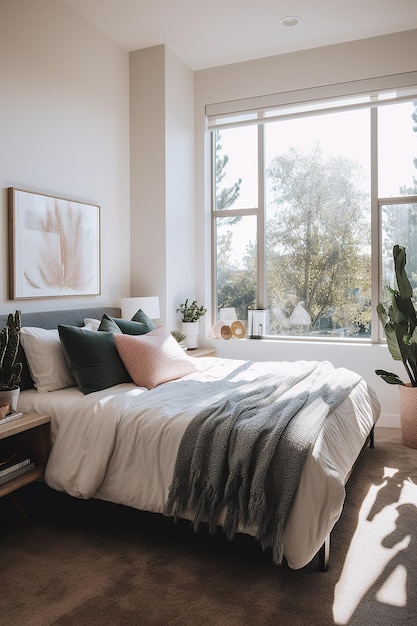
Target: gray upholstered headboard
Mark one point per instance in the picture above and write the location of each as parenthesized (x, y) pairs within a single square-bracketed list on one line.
[(51, 319)]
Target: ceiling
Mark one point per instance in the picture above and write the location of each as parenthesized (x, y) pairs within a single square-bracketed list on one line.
[(207, 33)]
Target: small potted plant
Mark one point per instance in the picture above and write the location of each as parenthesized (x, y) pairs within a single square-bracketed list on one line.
[(10, 369), (179, 338), (191, 313), (400, 326)]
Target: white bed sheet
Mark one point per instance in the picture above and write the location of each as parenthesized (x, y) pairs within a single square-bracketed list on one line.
[(120, 445)]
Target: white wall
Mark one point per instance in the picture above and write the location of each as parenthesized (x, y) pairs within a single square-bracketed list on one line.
[(64, 130), (181, 243), (358, 60), (162, 179), (148, 173)]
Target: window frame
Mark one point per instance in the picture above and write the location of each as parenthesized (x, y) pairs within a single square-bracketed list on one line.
[(231, 114)]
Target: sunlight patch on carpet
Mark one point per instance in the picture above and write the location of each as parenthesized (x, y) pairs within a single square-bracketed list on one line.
[(394, 589), (380, 535)]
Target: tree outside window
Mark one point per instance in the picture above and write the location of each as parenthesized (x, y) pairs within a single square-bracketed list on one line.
[(301, 242)]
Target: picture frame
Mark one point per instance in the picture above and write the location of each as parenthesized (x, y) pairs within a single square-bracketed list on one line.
[(54, 246)]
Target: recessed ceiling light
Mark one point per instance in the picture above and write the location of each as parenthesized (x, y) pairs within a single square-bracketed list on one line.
[(290, 20)]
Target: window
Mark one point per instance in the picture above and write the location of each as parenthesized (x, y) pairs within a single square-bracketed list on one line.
[(308, 201)]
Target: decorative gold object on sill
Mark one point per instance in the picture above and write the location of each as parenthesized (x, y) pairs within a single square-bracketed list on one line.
[(238, 329), (226, 332)]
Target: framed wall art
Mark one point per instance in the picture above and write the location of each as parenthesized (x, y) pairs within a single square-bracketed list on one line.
[(54, 246)]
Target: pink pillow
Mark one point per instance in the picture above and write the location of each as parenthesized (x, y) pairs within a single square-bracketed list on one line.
[(153, 358)]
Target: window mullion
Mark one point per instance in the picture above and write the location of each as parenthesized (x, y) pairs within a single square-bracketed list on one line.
[(261, 235), (376, 236), (213, 231)]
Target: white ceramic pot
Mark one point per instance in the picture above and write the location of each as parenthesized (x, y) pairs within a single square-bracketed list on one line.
[(11, 397), (190, 330)]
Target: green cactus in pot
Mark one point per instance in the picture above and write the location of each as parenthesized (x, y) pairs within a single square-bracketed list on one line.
[(10, 370)]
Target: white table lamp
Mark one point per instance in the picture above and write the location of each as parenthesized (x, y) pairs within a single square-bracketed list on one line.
[(149, 305)]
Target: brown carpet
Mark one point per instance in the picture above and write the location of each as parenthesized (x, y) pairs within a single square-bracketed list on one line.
[(92, 563)]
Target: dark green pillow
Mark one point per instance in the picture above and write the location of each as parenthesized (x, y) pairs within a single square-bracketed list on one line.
[(92, 358), (138, 325), (108, 325)]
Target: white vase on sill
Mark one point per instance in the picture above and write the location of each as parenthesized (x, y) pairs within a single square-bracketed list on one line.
[(190, 330)]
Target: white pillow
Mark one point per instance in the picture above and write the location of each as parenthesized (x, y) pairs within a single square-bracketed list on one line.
[(46, 360), (91, 324)]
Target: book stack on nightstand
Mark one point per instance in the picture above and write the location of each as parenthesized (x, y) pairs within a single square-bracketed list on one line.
[(14, 462), (10, 416), (25, 443)]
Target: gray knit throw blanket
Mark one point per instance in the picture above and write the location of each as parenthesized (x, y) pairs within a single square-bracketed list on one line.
[(245, 453)]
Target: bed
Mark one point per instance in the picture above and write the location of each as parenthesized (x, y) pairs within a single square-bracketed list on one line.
[(127, 443)]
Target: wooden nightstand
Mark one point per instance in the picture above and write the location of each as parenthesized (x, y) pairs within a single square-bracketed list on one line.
[(32, 431), (201, 352)]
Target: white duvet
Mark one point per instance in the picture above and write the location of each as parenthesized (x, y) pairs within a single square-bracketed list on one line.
[(120, 445)]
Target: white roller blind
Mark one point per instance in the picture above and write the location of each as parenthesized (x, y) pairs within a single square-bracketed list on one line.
[(314, 101)]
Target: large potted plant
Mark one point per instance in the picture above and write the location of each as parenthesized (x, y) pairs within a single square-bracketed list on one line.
[(10, 369), (400, 326), (191, 313)]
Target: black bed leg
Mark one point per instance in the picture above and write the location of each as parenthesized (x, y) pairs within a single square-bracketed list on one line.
[(372, 438), (324, 555)]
